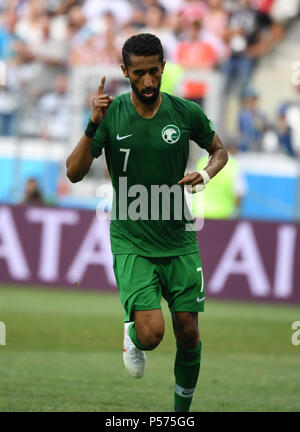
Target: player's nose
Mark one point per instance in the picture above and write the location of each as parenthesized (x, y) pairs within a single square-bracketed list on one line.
[(148, 81)]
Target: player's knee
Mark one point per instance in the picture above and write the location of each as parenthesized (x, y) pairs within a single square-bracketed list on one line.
[(193, 338), (151, 337), (189, 337), (186, 329)]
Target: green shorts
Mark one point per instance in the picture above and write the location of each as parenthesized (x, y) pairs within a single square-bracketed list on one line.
[(142, 281)]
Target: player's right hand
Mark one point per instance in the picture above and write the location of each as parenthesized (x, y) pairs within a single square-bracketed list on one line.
[(100, 103)]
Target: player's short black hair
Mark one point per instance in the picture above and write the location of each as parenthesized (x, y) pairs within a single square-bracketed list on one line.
[(143, 44)]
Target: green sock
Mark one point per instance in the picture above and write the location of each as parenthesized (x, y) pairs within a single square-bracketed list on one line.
[(186, 370), (133, 337)]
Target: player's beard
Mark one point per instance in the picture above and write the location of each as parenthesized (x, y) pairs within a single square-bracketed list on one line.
[(147, 100)]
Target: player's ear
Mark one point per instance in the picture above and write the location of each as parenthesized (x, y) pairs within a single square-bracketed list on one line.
[(163, 66), (124, 70)]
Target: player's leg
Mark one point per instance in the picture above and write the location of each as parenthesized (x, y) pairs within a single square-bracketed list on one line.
[(140, 295), (188, 358), (186, 329), (144, 333), (148, 328), (184, 290)]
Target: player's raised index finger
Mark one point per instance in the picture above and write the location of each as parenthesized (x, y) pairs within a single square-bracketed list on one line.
[(101, 86)]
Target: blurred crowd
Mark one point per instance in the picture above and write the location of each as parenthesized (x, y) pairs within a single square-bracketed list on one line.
[(41, 41)]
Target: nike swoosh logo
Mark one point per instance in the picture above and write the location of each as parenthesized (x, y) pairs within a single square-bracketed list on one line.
[(188, 393), (119, 138), (200, 300)]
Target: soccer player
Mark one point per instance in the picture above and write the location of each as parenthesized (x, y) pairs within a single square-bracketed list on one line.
[(145, 135)]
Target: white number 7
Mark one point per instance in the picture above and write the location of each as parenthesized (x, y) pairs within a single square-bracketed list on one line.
[(199, 269), (127, 151)]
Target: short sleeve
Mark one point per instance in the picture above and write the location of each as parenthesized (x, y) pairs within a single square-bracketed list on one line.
[(99, 140), (202, 128)]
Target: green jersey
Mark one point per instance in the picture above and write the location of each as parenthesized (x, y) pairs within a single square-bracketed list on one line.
[(143, 155)]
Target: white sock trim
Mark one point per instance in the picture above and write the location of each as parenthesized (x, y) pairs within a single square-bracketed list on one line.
[(184, 392)]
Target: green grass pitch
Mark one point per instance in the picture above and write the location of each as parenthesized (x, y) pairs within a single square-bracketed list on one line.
[(64, 353)]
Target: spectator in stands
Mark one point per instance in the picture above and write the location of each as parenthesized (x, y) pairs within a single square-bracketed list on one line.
[(32, 195), (107, 21), (252, 122), (125, 33), (187, 12), (192, 10), (251, 34), (139, 9), (8, 113), (263, 5), (109, 53), (197, 48), (214, 25), (10, 43), (77, 27), (288, 125), (155, 19), (284, 131), (49, 59), (61, 7), (12, 52), (97, 49), (122, 9), (30, 26), (215, 19), (54, 112), (13, 48), (171, 6)]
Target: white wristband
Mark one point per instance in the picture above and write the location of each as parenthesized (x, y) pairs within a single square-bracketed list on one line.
[(205, 176), (199, 187)]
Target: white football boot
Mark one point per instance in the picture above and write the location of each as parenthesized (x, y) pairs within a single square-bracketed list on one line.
[(134, 359)]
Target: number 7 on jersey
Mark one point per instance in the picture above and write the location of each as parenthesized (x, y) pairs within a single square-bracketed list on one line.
[(127, 151)]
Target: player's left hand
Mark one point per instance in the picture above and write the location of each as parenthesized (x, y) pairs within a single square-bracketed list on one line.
[(192, 179)]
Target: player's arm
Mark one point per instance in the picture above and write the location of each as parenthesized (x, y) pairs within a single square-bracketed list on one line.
[(267, 41), (217, 160), (79, 161)]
